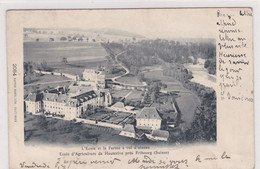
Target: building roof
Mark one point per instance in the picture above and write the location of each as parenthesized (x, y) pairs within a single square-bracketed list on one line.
[(85, 96), (34, 97), (119, 105), (59, 89), (99, 72), (129, 107), (166, 106), (80, 89), (49, 96), (72, 103), (129, 128), (148, 113), (62, 98), (89, 71), (160, 133)]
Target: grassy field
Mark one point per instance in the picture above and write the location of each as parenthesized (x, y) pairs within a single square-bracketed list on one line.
[(80, 56), (130, 79), (158, 75), (119, 93), (53, 52), (36, 79), (135, 95), (39, 129), (77, 67), (44, 82), (187, 103)]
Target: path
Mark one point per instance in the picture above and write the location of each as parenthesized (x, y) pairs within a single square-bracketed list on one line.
[(48, 82), (126, 70), (126, 73), (126, 95)]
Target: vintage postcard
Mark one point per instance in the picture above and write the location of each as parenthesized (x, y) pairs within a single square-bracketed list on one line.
[(131, 88)]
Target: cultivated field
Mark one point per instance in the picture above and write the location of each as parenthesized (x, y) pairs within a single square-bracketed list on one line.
[(54, 52), (38, 79), (119, 93), (130, 79), (158, 75), (135, 95), (77, 67)]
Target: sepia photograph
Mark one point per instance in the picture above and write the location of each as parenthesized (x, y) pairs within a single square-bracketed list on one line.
[(110, 86), (131, 88)]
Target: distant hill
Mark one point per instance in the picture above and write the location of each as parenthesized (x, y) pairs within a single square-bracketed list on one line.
[(95, 35), (194, 40), (115, 32)]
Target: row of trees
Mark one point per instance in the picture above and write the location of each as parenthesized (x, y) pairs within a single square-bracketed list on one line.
[(210, 65), (150, 52), (29, 68), (178, 71)]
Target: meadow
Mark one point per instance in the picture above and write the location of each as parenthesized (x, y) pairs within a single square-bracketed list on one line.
[(130, 79), (54, 52)]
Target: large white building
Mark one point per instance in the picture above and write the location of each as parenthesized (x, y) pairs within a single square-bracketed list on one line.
[(66, 105), (33, 103), (94, 78), (148, 118)]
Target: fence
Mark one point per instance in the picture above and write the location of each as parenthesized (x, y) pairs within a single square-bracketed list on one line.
[(57, 74), (102, 124)]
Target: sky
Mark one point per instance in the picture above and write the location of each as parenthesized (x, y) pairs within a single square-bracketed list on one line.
[(151, 23)]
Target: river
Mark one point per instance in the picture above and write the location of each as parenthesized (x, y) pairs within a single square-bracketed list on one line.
[(201, 75)]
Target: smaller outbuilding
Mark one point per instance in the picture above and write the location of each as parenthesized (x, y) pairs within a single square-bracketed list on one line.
[(158, 135), (128, 131)]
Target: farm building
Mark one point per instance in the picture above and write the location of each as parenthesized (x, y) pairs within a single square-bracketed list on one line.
[(93, 78), (128, 131), (119, 106), (158, 135), (148, 118)]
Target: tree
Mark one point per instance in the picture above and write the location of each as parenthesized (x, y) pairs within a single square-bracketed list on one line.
[(44, 65), (64, 60), (63, 38), (80, 39), (28, 71)]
